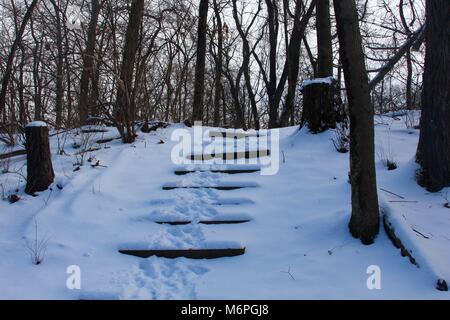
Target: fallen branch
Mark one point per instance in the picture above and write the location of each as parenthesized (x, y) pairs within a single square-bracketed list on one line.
[(403, 201), (13, 154), (416, 38), (394, 194), (420, 233)]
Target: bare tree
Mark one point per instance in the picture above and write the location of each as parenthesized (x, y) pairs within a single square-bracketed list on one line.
[(125, 106), (365, 218), (197, 114), (88, 63), (12, 53)]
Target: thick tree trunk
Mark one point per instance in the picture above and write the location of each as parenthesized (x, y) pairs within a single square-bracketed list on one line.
[(88, 64), (40, 172), (319, 105), (9, 63), (125, 113), (365, 220), (199, 85), (433, 153)]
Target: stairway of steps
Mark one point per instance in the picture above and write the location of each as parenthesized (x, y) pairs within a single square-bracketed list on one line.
[(231, 170)]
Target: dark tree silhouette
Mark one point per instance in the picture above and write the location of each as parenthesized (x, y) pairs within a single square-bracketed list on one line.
[(433, 153), (199, 85), (365, 220)]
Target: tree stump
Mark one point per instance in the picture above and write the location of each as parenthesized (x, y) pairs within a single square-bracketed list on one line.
[(320, 104), (40, 174)]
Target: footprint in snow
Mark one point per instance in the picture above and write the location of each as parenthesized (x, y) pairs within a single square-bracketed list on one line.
[(163, 279)]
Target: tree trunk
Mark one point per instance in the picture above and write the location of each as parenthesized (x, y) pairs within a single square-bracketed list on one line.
[(88, 64), (319, 105), (246, 53), (292, 64), (9, 64), (324, 42), (199, 85), (40, 172), (124, 112), (219, 66), (272, 20), (433, 153), (319, 100), (365, 220), (59, 99)]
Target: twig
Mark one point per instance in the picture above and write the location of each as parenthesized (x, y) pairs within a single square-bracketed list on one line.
[(289, 273), (394, 194), (420, 233)]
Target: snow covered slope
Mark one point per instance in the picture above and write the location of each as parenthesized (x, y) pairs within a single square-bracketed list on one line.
[(297, 242)]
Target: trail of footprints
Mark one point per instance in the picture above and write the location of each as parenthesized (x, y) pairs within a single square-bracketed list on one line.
[(183, 228)]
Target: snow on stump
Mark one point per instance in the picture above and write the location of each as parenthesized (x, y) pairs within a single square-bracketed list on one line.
[(40, 172), (320, 105)]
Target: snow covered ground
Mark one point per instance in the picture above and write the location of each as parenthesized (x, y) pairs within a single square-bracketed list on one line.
[(297, 242)]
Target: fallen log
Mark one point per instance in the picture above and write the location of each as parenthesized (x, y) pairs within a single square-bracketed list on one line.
[(13, 154)]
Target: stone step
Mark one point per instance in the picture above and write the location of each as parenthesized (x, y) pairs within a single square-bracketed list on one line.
[(207, 222), (186, 253), (231, 155), (231, 171)]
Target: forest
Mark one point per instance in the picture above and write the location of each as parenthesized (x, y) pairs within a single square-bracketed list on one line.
[(356, 91)]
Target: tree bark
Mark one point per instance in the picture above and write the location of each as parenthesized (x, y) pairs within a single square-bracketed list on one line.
[(199, 85), (324, 42), (433, 153), (319, 106), (40, 174), (365, 220)]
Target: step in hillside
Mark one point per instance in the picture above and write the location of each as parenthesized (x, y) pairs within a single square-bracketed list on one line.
[(224, 186), (206, 222), (231, 155), (186, 253), (225, 171), (235, 135)]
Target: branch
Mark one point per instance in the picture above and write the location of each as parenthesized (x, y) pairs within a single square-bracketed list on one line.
[(415, 39)]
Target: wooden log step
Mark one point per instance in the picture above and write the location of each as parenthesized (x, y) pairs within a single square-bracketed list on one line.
[(232, 202), (94, 131), (221, 188), (231, 171), (234, 135), (186, 253), (207, 222), (230, 155)]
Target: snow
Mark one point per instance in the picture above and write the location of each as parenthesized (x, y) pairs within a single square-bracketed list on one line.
[(327, 80), (297, 242), (36, 124)]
